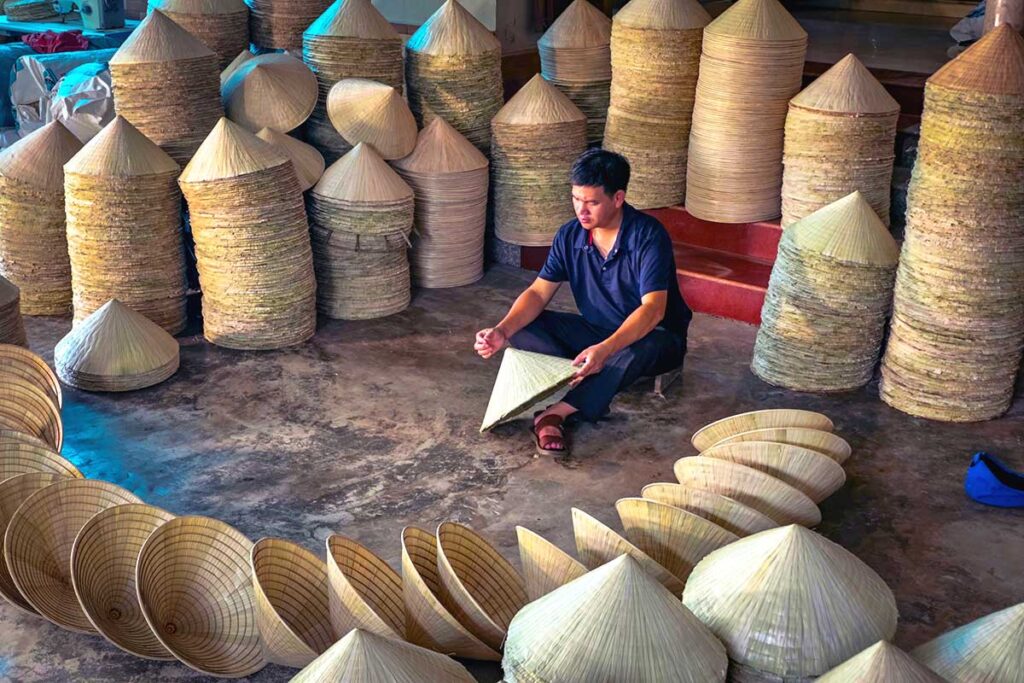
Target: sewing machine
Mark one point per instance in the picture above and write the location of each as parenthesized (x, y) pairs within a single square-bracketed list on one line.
[(95, 14)]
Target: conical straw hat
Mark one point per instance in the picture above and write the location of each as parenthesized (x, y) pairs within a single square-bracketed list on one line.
[(987, 650), (307, 160), (221, 25), (613, 624), (103, 574), (365, 592), (270, 91), (727, 513), (545, 565), (440, 150), (120, 150), (12, 326), (39, 540), (158, 39), (815, 474), (26, 408), (452, 30), (195, 586), (20, 361), (352, 19), (761, 20), (243, 57), (831, 445), (524, 378), (820, 603), (663, 15), (538, 103), (371, 658), (580, 25), (428, 623), (847, 230), (847, 88), (292, 611), (883, 662), (597, 544), (709, 435), (993, 65), (763, 492), (230, 151), (116, 349), (367, 111), (362, 176), (22, 453), (479, 586), (38, 158)]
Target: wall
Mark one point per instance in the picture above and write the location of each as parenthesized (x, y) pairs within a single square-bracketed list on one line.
[(515, 26), (415, 12)]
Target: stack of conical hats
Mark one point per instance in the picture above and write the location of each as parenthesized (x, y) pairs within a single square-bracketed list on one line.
[(751, 65), (252, 242), (524, 378), (273, 91), (278, 24), (655, 53), (840, 134), (828, 299), (33, 240), (535, 139), (575, 56), (167, 84), (116, 349), (821, 604), (124, 227), (988, 649), (367, 111), (351, 39), (361, 214), (12, 326), (958, 316), (222, 25), (449, 177), (453, 70), (308, 162), (881, 663)]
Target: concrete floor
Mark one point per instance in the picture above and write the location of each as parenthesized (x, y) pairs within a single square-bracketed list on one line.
[(373, 425)]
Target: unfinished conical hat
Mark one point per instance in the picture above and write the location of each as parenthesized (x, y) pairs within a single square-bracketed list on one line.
[(452, 30), (993, 65), (307, 159), (813, 473), (441, 149), (819, 604), (545, 565), (230, 151), (366, 657), (615, 623), (883, 662), (847, 230), (120, 150), (708, 436), (243, 57), (116, 349), (103, 573), (987, 650), (273, 90), (158, 39), (367, 111), (20, 361), (597, 544), (763, 492), (538, 103), (362, 176), (663, 15), (727, 513), (847, 88), (292, 611), (22, 453), (831, 445), (353, 19), (761, 20), (580, 25), (365, 592), (524, 378), (38, 158)]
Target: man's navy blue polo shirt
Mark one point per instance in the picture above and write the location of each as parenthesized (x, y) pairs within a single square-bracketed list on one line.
[(608, 290)]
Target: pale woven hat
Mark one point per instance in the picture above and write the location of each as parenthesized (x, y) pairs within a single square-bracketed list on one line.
[(709, 435), (38, 158), (849, 231), (988, 649), (814, 474), (524, 379), (20, 361), (230, 151), (307, 159), (273, 90), (27, 408), (367, 111), (883, 662), (545, 565), (847, 88), (727, 513), (22, 453), (828, 443), (365, 592), (453, 31)]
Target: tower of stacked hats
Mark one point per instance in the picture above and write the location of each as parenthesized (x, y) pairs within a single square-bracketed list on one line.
[(840, 133), (12, 326), (252, 242), (751, 65), (349, 40), (575, 56), (453, 70), (278, 24), (124, 227), (958, 317), (222, 25)]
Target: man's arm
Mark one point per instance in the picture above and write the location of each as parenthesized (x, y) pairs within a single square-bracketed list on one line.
[(524, 311), (638, 325)]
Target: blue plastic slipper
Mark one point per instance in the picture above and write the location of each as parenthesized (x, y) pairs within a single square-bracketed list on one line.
[(991, 482)]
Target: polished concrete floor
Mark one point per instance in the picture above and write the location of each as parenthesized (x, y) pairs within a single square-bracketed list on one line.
[(372, 426)]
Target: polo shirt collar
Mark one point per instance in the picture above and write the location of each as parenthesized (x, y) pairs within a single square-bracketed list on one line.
[(583, 238)]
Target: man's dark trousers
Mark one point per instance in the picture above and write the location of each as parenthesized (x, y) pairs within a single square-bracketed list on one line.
[(568, 334)]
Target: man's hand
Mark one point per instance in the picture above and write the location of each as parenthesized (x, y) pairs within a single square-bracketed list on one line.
[(490, 341), (590, 361)]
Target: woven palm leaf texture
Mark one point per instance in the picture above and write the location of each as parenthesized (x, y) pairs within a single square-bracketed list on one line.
[(524, 379)]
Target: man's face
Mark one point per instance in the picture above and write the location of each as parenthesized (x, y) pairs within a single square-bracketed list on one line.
[(594, 207)]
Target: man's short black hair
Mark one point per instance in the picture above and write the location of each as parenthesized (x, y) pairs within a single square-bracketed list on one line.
[(601, 168)]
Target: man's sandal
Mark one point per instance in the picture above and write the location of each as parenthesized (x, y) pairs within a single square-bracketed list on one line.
[(543, 442)]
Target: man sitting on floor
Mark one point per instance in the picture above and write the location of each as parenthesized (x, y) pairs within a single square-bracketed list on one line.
[(621, 269)]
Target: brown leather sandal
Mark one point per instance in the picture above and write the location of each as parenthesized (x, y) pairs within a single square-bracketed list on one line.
[(541, 443)]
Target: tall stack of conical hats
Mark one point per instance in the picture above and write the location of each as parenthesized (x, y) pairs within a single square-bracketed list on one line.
[(367, 111), (308, 162), (453, 70), (751, 65), (840, 133), (252, 242), (222, 25), (167, 84), (449, 177), (828, 299), (575, 56), (278, 24), (958, 315), (655, 53), (273, 91), (535, 139), (33, 240), (881, 663), (988, 649), (124, 227), (361, 214), (12, 326), (351, 39)]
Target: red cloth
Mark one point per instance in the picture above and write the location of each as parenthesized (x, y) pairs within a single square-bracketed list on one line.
[(51, 41)]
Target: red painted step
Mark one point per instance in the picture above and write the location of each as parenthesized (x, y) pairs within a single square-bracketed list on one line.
[(722, 284), (755, 240)]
